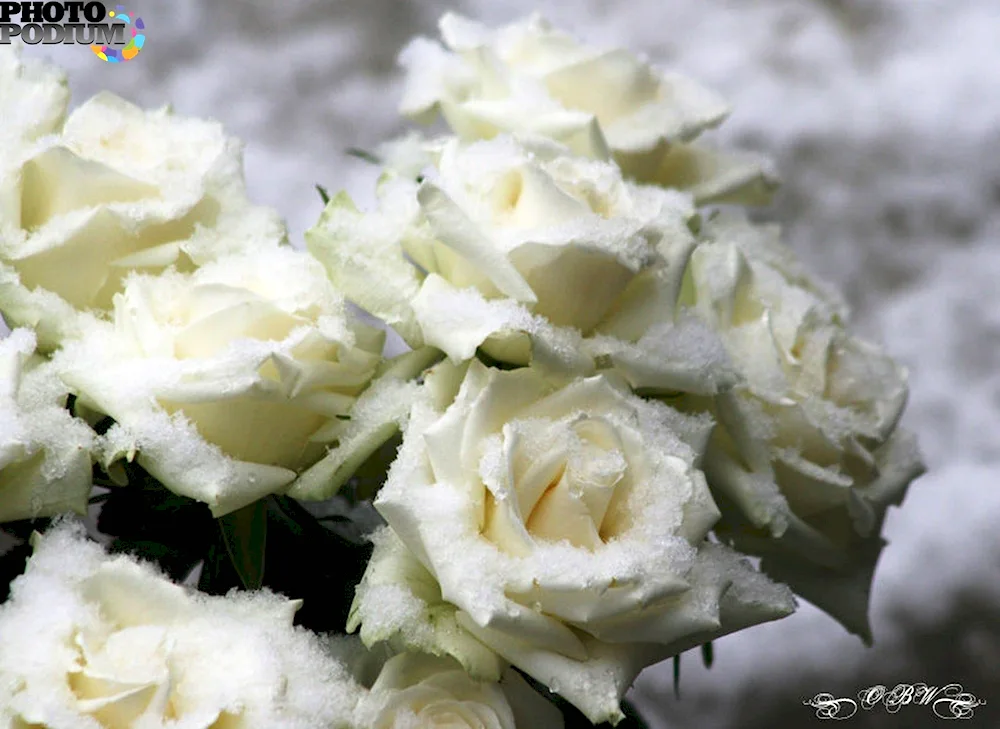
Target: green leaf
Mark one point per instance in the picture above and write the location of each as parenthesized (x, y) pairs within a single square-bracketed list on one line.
[(324, 195), (145, 514), (325, 585), (369, 477), (244, 532)]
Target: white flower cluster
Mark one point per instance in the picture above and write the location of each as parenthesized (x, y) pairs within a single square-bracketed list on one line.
[(111, 188), (227, 360), (675, 371), (614, 394), (528, 78), (97, 642)]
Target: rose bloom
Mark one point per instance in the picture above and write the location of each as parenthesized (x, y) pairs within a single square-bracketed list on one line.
[(560, 527), (529, 253), (531, 79), (45, 453), (808, 457), (229, 382), (35, 96), (418, 691), (112, 190), (90, 641)]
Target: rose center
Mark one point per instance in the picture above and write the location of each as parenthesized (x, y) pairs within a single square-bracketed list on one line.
[(117, 679), (562, 483)]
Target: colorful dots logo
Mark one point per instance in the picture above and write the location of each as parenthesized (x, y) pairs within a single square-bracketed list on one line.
[(135, 43)]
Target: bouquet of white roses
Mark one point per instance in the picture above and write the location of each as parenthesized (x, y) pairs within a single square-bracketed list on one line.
[(626, 422)]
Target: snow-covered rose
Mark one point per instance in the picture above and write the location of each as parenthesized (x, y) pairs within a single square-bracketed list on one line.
[(115, 189), (808, 456), (230, 381), (526, 251), (45, 453), (96, 642), (418, 691), (562, 527), (34, 97), (529, 78)]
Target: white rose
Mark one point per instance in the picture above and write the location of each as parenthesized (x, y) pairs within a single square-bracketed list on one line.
[(418, 691), (563, 527), (528, 78), (527, 252), (808, 454), (34, 95), (230, 381), (96, 642), (116, 189), (45, 453)]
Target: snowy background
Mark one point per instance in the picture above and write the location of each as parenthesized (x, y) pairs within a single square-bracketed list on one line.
[(884, 119)]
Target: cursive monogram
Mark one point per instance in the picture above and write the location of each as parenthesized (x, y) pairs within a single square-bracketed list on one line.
[(950, 701)]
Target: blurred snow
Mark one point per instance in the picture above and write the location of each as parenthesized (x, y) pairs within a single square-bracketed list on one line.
[(884, 119)]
